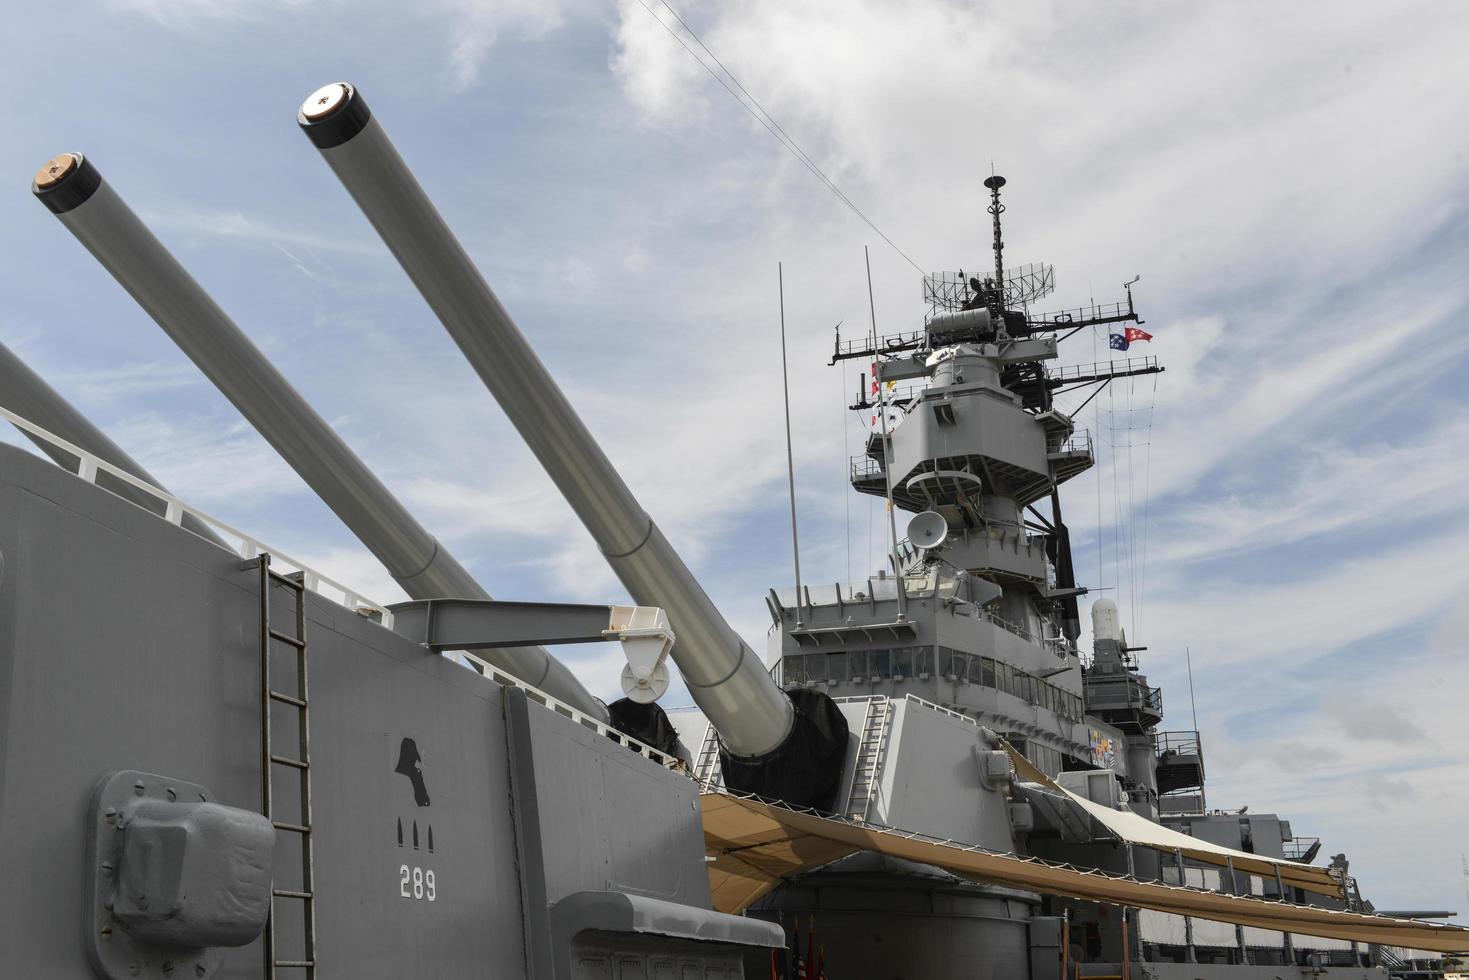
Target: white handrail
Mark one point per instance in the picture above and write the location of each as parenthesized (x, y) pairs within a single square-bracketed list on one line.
[(561, 707), (174, 509)]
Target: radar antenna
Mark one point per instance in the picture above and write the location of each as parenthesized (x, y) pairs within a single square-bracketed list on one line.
[(1022, 285)]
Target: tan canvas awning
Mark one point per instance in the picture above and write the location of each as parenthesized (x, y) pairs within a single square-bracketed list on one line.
[(1128, 826), (756, 845)]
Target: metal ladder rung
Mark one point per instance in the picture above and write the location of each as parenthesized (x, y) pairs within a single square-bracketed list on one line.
[(288, 580), (299, 759), (868, 761)]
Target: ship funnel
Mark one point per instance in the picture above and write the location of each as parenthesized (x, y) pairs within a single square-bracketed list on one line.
[(757, 722), (71, 187), (26, 394)]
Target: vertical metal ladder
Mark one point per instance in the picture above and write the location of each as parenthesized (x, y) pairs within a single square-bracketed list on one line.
[(706, 769), (301, 762), (869, 757)]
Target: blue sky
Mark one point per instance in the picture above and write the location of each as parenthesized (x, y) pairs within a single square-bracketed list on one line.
[(1289, 181)]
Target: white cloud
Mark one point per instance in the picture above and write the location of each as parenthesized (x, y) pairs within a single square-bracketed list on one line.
[(470, 27), (207, 462), (1373, 594), (1330, 487), (659, 75), (1387, 733), (475, 25), (1369, 719), (356, 569)]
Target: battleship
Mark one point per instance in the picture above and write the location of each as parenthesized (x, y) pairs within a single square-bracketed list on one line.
[(216, 761)]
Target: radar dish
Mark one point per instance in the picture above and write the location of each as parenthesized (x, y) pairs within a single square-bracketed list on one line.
[(928, 529)]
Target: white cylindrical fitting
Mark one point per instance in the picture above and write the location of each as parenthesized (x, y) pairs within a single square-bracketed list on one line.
[(1106, 623)]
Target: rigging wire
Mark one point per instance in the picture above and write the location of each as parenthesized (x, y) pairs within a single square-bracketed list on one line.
[(1097, 424), (1126, 430), (1131, 514), (1124, 427), (1147, 487), (870, 505), (764, 118), (1116, 497), (846, 462)]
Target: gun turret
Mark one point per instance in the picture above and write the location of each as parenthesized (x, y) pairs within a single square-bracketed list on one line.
[(72, 188), (774, 744)]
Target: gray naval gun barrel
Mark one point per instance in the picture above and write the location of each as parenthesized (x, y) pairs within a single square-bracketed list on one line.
[(788, 747), (26, 393), (72, 188)]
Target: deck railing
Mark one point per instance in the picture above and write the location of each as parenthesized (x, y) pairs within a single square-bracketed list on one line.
[(245, 545), (248, 547)]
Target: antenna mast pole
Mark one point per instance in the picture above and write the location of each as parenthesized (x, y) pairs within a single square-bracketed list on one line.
[(1464, 860), (997, 297), (785, 380), (1188, 655), (994, 183), (887, 447)]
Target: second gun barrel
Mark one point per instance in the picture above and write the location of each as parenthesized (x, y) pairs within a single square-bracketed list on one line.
[(726, 679)]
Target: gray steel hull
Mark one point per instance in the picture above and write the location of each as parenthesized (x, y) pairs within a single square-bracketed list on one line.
[(129, 643)]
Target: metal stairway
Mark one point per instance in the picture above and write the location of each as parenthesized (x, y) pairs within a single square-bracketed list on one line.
[(305, 897), (869, 757), (706, 768)]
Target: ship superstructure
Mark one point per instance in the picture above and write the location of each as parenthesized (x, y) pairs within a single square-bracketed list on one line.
[(980, 612), (970, 636)]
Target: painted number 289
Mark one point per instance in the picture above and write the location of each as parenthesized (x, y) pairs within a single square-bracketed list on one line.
[(416, 883)]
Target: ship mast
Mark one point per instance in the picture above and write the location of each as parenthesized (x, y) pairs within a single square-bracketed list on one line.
[(997, 296)]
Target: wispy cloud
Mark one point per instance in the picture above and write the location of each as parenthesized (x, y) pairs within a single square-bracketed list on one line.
[(478, 24), (470, 28), (183, 13), (126, 380), (231, 224), (207, 460), (1367, 719), (1312, 496)]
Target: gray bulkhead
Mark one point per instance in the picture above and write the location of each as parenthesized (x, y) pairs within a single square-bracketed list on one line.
[(127, 643)]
